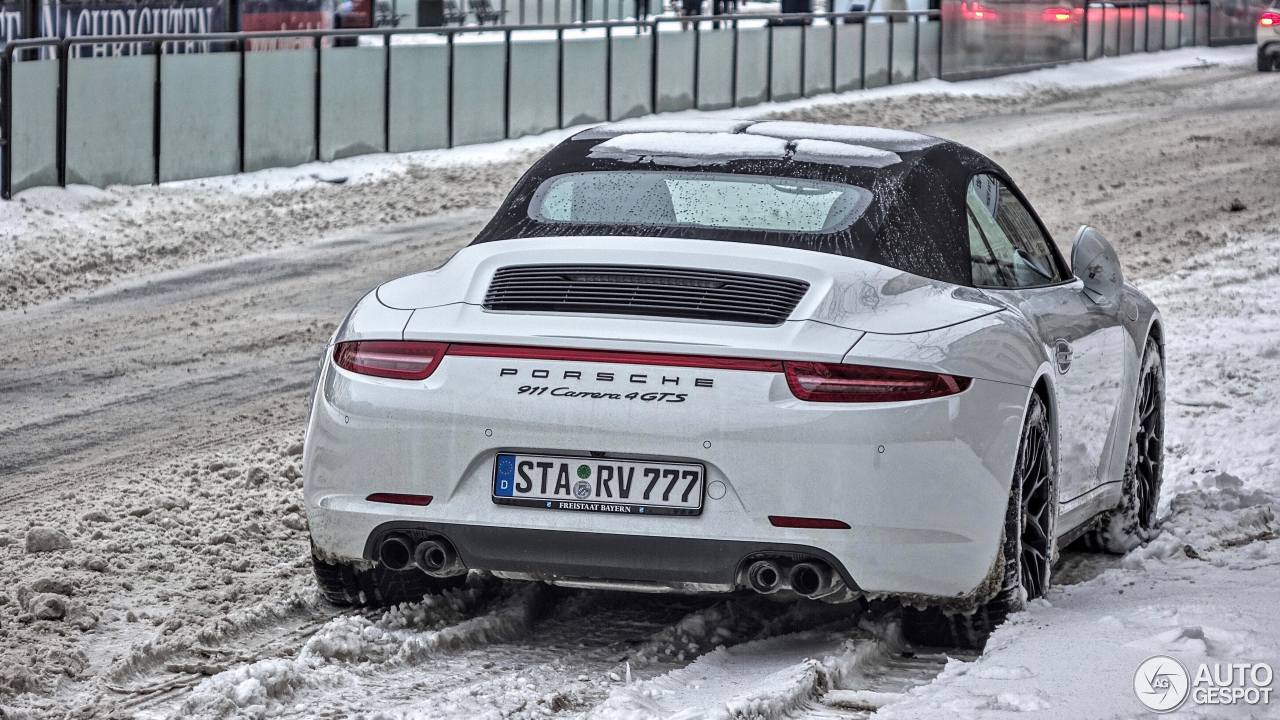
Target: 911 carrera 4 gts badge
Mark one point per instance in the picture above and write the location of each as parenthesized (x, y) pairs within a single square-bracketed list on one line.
[(649, 387)]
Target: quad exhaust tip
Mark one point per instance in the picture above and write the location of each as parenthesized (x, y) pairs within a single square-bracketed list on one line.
[(811, 580), (437, 558), (765, 576), (395, 552)]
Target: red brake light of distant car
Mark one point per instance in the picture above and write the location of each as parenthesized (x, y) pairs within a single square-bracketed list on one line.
[(395, 359), (1269, 19), (836, 382), (977, 11), (1056, 15)]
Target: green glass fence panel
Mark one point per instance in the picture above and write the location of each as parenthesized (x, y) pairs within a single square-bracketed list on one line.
[(1155, 30), (1172, 25), (478, 92), (904, 52), (1140, 29), (199, 115), (533, 86), (279, 108), (753, 65), (675, 71), (1190, 12), (786, 62), (35, 142), (817, 59), (848, 56), (419, 97), (930, 39), (877, 54), (632, 55), (715, 68), (584, 80), (109, 119), (351, 90), (1093, 48)]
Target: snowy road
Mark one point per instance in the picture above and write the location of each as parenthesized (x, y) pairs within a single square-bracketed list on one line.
[(156, 420)]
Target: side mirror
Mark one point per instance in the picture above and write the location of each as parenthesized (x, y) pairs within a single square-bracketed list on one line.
[(1095, 262)]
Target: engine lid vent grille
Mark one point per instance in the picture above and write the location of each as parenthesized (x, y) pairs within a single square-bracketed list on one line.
[(645, 290)]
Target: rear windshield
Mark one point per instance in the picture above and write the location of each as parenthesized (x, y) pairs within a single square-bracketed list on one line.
[(698, 200)]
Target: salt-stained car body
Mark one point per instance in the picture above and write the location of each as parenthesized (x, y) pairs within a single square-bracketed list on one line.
[(819, 360)]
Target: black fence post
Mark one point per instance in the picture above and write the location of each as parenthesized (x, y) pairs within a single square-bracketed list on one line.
[(697, 60), (835, 36), (6, 123), (316, 46), (942, 27), (1103, 31), (608, 73), (768, 73), (240, 109), (1084, 55), (915, 50), (862, 61), (804, 60), (889, 79), (60, 133), (156, 99), (506, 83), (448, 123), (733, 74), (560, 78), (386, 92)]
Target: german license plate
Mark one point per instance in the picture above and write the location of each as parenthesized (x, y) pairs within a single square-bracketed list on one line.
[(598, 485)]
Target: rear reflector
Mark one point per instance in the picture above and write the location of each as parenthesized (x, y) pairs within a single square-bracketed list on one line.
[(809, 523), (395, 359), (836, 382), (400, 499)]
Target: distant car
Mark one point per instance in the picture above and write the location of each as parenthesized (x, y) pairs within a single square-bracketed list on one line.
[(796, 359), (1269, 39)]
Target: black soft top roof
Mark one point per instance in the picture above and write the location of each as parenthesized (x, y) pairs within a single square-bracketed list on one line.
[(916, 220)]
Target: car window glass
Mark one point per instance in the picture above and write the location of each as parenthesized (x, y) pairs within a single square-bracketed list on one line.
[(986, 272), (1007, 232), (711, 200)]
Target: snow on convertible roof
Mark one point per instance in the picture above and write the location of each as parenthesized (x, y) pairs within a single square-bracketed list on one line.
[(675, 148), (686, 141)]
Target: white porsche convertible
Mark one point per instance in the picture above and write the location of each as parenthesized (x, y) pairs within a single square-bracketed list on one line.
[(807, 360)]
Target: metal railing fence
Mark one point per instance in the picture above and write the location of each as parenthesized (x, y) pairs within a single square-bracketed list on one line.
[(700, 68)]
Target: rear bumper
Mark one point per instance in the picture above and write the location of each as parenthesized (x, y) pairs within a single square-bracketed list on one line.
[(923, 485), (695, 563)]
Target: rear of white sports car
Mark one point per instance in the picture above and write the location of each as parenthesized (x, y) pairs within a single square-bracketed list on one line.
[(505, 413), (730, 358)]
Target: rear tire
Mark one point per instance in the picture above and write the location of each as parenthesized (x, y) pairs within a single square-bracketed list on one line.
[(346, 584), (1132, 522), (1267, 62), (1027, 546)]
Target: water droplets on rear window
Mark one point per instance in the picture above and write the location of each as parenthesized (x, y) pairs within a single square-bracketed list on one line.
[(698, 199)]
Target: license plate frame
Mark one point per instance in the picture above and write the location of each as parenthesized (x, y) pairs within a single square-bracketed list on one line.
[(639, 487)]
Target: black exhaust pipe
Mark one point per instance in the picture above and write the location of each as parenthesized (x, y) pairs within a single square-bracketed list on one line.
[(764, 576), (395, 552), (437, 558), (811, 579)]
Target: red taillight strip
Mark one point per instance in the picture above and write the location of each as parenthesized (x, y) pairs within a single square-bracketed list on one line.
[(788, 521), (523, 352), (400, 499)]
